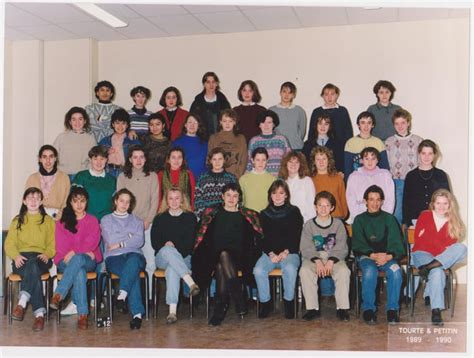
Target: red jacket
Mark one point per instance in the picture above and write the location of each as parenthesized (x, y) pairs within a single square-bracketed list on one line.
[(427, 238), (178, 122)]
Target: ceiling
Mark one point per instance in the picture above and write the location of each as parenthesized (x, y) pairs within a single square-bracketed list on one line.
[(52, 22)]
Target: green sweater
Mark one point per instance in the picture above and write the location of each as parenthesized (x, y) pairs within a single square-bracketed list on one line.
[(33, 237), (377, 232), (255, 189)]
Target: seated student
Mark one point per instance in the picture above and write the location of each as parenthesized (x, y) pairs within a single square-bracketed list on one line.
[(172, 112), (369, 174), (100, 114), (77, 252), (172, 236), (292, 117), (352, 159), (74, 144), (282, 224), (209, 186), (384, 109), (326, 178), (249, 109), (255, 183), (123, 237), (53, 183), (118, 143), (155, 143), (402, 155), (227, 242), (437, 247), (276, 144), (30, 246), (377, 242), (323, 250), (139, 114), (294, 170), (233, 143)]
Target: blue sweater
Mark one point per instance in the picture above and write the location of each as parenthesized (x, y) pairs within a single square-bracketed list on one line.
[(195, 152), (127, 230)]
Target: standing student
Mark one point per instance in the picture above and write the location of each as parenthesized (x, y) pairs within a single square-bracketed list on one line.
[(247, 112), (30, 246), (233, 143), (210, 102), (172, 112), (155, 143), (292, 117), (100, 114), (139, 114), (74, 143), (384, 109)]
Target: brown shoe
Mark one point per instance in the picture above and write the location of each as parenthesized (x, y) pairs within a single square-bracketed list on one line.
[(38, 324), (18, 313), (54, 304), (82, 321)]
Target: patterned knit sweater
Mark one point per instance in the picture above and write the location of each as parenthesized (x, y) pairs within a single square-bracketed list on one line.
[(277, 146), (100, 115), (402, 153)]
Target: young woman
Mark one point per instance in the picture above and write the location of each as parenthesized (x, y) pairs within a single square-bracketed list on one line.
[(172, 112), (176, 173), (294, 170), (155, 143), (30, 245), (326, 178), (227, 242), (74, 144), (77, 252), (210, 184), (123, 237), (282, 224), (194, 144), (437, 247), (233, 143), (53, 183), (172, 236)]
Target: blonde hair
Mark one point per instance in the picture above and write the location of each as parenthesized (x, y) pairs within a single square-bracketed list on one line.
[(456, 228), (184, 200), (331, 162)]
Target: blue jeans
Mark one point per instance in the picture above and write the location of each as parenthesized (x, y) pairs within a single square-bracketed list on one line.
[(289, 267), (399, 185), (75, 276), (437, 277), (393, 274), (175, 266), (128, 267)]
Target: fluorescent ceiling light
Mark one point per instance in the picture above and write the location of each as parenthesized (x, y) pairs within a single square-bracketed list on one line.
[(372, 7), (101, 14)]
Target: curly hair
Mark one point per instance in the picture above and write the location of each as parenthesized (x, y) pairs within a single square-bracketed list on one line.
[(331, 162), (303, 170)]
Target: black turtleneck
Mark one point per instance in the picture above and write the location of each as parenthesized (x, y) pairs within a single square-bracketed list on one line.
[(141, 111), (44, 173)]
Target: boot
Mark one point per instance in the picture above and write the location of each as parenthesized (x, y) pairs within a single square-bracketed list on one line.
[(264, 309), (289, 308), (220, 309), (235, 290)]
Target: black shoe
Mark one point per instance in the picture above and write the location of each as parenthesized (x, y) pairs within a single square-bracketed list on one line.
[(220, 309), (264, 309), (121, 306), (235, 290), (289, 308), (392, 317), (136, 323), (343, 315), (436, 317), (427, 301), (424, 272), (369, 317), (311, 314)]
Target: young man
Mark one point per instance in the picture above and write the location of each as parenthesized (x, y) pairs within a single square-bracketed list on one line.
[(377, 242), (365, 176), (324, 248), (255, 183), (139, 114), (352, 160)]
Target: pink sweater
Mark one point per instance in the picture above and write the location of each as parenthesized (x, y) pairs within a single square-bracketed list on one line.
[(85, 240)]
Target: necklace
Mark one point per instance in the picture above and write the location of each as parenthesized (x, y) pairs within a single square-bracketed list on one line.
[(429, 176)]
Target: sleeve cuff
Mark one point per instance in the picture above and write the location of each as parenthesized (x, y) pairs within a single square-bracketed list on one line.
[(313, 259), (334, 259)]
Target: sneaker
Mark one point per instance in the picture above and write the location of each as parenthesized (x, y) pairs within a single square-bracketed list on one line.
[(171, 318), (343, 315), (70, 309), (369, 317), (392, 317), (311, 314), (436, 317)]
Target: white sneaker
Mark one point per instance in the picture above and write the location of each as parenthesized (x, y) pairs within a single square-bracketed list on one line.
[(70, 309)]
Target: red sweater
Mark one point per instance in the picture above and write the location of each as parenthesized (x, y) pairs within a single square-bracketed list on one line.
[(174, 174), (178, 122), (427, 238)]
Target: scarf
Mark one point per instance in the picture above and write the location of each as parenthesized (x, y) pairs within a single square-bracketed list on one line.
[(43, 171)]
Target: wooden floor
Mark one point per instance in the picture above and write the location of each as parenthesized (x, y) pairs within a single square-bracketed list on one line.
[(275, 332)]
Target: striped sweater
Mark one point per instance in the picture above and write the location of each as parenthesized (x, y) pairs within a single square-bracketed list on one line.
[(277, 146)]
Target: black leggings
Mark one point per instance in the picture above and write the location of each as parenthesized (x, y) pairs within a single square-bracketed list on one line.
[(225, 270)]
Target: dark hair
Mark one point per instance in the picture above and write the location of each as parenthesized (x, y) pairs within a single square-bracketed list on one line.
[(120, 115), (201, 132), (325, 195), (73, 110), (140, 89), (279, 183), (256, 93), (158, 116), (368, 150), (290, 85), (213, 152), (388, 85), (98, 151), (231, 114), (234, 187), (366, 114), (430, 144), (184, 166), (133, 200), (259, 150), (24, 209), (303, 171), (107, 84), (330, 86), (179, 101), (323, 117), (51, 148), (210, 74), (374, 189), (68, 217), (128, 167), (262, 116)]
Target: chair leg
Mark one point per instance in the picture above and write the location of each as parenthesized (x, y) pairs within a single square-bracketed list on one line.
[(296, 298), (147, 294), (153, 295), (58, 313), (451, 291), (94, 284), (48, 285), (5, 298), (10, 301), (357, 293), (412, 294), (110, 309), (207, 300)]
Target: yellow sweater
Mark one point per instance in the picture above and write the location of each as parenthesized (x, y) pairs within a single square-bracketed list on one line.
[(33, 237)]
